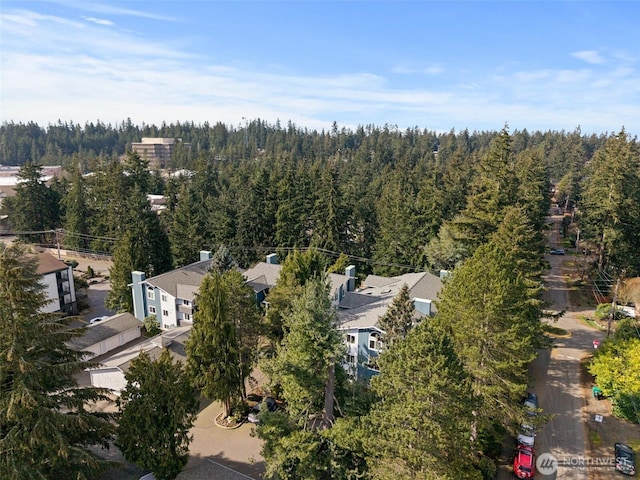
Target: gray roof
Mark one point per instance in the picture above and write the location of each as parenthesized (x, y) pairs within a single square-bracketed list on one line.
[(263, 273), (182, 281), (363, 308), (178, 337), (106, 329)]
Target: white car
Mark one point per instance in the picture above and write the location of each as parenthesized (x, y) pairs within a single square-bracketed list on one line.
[(97, 319), (527, 435)]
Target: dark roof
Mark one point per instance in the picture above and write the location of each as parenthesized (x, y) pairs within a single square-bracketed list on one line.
[(47, 263), (103, 330)]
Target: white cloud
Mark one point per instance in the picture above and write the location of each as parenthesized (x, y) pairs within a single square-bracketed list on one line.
[(589, 56), (106, 9), (99, 21), (403, 69)]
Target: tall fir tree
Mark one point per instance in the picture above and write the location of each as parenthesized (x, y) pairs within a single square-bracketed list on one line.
[(76, 218), (46, 427), (495, 328), (421, 426), (158, 407), (144, 246), (213, 353), (399, 319), (494, 187), (611, 204), (35, 206), (311, 347)]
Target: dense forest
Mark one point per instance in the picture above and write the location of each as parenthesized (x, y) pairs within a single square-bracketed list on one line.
[(392, 200)]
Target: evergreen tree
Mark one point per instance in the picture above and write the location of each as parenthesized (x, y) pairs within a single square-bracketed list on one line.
[(137, 172), (222, 261), (495, 329), (398, 320), (494, 187), (144, 246), (525, 245), (421, 427), (108, 200), (297, 269), (309, 351), (158, 408), (120, 298), (396, 242), (533, 189), (76, 219), (243, 311), (330, 216), (45, 425), (35, 206), (188, 227), (611, 203), (445, 252), (213, 353)]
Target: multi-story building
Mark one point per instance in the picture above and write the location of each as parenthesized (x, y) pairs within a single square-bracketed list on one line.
[(360, 310), (57, 278), (156, 150), (171, 295)]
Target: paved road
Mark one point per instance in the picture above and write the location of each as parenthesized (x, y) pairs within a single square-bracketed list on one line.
[(555, 377)]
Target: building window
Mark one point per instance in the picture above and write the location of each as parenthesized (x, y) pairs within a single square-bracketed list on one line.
[(152, 309), (164, 298), (374, 341), (187, 316), (351, 338), (151, 295), (372, 364), (165, 313), (351, 359), (185, 302)]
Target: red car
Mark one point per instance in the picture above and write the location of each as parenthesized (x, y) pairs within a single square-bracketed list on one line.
[(524, 463)]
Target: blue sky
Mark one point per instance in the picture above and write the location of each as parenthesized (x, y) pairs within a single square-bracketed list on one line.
[(439, 65)]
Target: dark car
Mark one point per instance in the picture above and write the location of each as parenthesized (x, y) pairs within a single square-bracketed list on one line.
[(524, 463), (557, 251), (531, 403), (625, 459), (268, 403)]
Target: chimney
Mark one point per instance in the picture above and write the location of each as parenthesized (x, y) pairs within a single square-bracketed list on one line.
[(350, 272), (422, 305), (139, 294), (272, 258)]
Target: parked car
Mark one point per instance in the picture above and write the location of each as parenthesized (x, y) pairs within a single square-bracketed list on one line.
[(557, 251), (625, 459), (268, 403), (524, 463), (97, 319), (527, 435), (531, 403)]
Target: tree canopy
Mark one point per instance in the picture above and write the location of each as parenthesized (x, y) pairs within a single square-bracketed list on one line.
[(46, 427), (158, 408)]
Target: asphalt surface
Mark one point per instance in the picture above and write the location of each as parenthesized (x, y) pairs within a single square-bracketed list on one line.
[(555, 378)]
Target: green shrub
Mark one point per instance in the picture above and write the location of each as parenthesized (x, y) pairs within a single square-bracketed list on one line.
[(151, 325), (627, 406)]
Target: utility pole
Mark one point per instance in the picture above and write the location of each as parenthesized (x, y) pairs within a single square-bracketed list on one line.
[(57, 232), (613, 304)]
